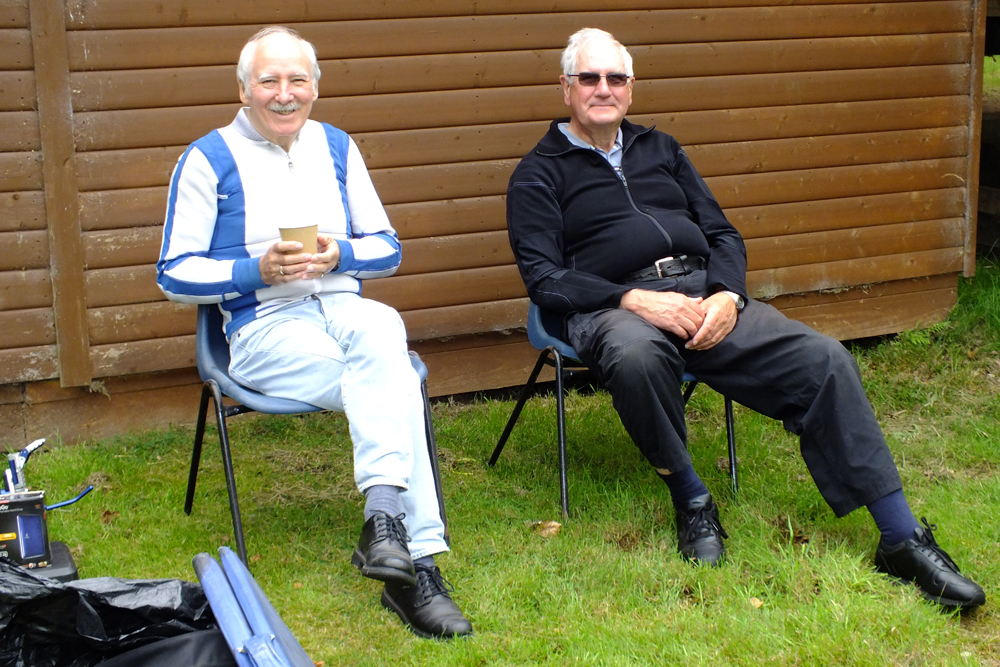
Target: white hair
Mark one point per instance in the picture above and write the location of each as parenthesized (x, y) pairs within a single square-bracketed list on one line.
[(245, 64), (581, 37)]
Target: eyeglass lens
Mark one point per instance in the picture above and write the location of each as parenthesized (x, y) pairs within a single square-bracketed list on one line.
[(591, 79)]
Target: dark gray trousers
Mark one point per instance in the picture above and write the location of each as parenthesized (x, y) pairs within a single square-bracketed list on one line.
[(778, 367)]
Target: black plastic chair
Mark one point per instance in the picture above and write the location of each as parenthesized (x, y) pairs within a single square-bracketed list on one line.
[(545, 334), (212, 351)]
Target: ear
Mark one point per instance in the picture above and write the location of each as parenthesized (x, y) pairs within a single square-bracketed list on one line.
[(244, 97), (565, 81)]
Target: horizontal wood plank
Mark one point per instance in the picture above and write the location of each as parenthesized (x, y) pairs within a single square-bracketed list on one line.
[(478, 369), (147, 48), (460, 251), (27, 328), (122, 285), (449, 216), (137, 128), (862, 211), (450, 288), (19, 131), (14, 14), (809, 184), (20, 211), (768, 283), (190, 86), (28, 364), (473, 318), (17, 91), (787, 302), (25, 289), (164, 319), (130, 168), (140, 321), (122, 247), (854, 243), (830, 151), (115, 209), (21, 171), (876, 316), (15, 49), (84, 14), (24, 250), (142, 356)]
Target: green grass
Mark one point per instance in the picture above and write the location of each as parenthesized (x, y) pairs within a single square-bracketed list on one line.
[(991, 74), (797, 588)]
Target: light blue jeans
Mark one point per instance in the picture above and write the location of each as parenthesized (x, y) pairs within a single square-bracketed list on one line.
[(345, 353)]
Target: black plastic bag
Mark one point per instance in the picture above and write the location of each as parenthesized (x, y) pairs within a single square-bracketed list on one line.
[(45, 623)]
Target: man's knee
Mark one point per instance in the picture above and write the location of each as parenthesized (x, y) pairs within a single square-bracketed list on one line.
[(641, 357)]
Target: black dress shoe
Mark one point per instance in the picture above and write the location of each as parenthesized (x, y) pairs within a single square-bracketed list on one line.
[(382, 552), (427, 607), (923, 562), (699, 533)]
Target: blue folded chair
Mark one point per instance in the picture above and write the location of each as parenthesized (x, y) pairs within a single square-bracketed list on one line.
[(545, 334), (254, 631), (212, 351)]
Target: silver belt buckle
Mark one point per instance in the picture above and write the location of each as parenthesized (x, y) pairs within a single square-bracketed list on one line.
[(658, 264)]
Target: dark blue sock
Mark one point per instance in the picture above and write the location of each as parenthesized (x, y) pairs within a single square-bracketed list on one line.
[(684, 485), (425, 561), (893, 517)]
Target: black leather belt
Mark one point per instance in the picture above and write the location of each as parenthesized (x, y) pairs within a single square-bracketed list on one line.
[(668, 267)]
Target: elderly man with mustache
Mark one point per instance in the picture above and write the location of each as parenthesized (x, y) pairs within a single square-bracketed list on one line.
[(296, 323)]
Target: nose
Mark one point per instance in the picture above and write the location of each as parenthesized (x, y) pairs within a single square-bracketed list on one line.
[(602, 86), (285, 91)]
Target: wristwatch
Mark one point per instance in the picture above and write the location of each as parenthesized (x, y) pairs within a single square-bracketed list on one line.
[(737, 299)]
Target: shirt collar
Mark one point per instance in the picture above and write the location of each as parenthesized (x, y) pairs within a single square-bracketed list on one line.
[(577, 141)]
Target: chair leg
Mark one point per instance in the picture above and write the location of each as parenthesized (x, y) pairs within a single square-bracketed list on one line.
[(199, 437), (227, 462), (521, 399), (561, 428), (731, 437), (432, 453)]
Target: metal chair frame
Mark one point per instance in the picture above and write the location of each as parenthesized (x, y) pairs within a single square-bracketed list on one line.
[(560, 355), (212, 351)]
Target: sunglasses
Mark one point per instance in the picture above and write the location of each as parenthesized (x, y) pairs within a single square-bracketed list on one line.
[(591, 79)]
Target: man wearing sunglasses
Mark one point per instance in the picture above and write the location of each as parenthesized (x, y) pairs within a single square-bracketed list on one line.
[(613, 228), (296, 323)]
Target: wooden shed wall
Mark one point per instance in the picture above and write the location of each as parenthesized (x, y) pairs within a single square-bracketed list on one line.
[(841, 137)]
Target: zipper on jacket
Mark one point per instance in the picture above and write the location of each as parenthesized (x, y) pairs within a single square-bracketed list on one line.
[(635, 207)]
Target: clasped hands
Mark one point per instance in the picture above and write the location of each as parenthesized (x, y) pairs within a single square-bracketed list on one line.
[(284, 261), (702, 322)]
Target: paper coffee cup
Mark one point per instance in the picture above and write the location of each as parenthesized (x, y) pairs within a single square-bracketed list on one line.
[(304, 235)]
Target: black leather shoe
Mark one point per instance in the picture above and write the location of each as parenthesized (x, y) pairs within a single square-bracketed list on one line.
[(382, 552), (699, 533), (427, 607), (923, 562)]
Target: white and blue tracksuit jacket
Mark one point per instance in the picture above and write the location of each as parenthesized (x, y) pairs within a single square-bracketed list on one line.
[(231, 191)]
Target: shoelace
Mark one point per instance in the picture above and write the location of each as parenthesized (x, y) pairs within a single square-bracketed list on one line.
[(431, 583), (392, 527), (934, 551), (702, 522)]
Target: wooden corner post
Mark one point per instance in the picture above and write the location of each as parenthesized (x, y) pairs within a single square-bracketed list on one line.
[(62, 211), (978, 8)]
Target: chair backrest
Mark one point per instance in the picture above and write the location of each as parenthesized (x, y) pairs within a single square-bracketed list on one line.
[(545, 329), (211, 346)]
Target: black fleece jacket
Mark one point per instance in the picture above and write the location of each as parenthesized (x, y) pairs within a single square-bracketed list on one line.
[(576, 228)]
